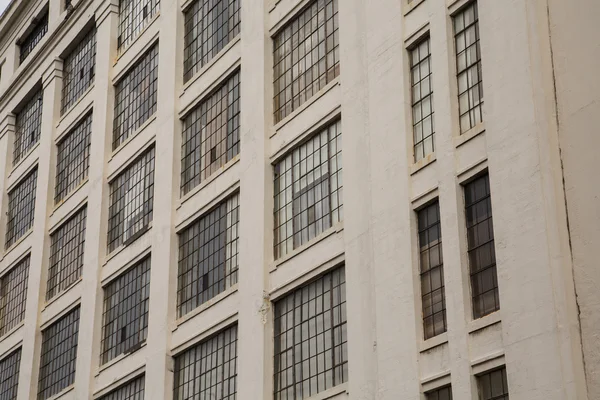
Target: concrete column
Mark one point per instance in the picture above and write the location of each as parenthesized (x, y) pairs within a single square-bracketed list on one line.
[(55, 7), (40, 253), (7, 137), (90, 324)]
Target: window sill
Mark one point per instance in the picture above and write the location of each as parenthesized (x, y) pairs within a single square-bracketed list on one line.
[(329, 393), (118, 358), (484, 322), (468, 135), (411, 5), (68, 196), (12, 331), (62, 392), (422, 163), (124, 50), (433, 342), (133, 135), (72, 107), (24, 158), (123, 246), (17, 243), (48, 303), (211, 302)]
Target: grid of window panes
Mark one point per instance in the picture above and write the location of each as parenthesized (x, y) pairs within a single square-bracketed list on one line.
[(444, 393), (308, 190), (311, 341), (132, 390), (468, 66), (131, 201), (135, 97), (28, 127), (125, 325), (134, 16), (73, 159), (432, 271), (29, 42), (209, 369), (21, 208), (208, 256), (211, 134), (59, 354), (9, 375), (13, 295), (79, 70), (482, 254), (493, 385), (306, 56), (66, 254), (422, 100)]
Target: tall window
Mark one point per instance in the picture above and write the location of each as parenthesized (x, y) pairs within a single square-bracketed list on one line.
[(482, 254), (209, 26), (28, 43), (131, 201), (311, 349), (28, 127), (9, 375), (125, 325), (13, 295), (422, 100), (59, 354), (209, 369), (135, 97), (432, 271), (211, 134), (79, 70), (132, 390), (308, 190), (66, 254), (208, 256), (73, 159), (493, 385), (134, 16), (306, 56), (468, 67), (21, 208)]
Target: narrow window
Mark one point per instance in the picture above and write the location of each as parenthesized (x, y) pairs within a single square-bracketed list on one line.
[(78, 71), (29, 42), (444, 393), (132, 390), (308, 190), (9, 375), (125, 325), (482, 254), (209, 26), (306, 56), (73, 159), (131, 202), (468, 67), (135, 97), (211, 134), (13, 295), (208, 256), (493, 385), (209, 369), (311, 342), (66, 254), (59, 355), (28, 127), (134, 16), (432, 271), (21, 208), (422, 100)]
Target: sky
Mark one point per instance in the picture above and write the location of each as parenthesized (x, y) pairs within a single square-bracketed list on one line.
[(3, 4)]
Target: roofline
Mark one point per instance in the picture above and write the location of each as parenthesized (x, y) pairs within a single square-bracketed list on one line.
[(7, 14)]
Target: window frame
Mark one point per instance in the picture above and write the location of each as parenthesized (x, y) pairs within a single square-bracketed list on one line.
[(488, 374), (124, 391), (28, 125), (418, 105), (77, 64), (14, 231), (38, 29), (128, 33), (13, 379), (15, 278)]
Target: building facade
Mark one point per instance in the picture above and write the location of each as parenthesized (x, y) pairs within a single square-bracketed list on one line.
[(299, 199)]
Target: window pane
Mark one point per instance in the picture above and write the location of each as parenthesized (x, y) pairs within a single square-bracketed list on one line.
[(29, 42), (13, 295), (79, 70), (9, 375), (132, 390), (134, 16), (493, 385), (28, 127), (444, 393), (21, 208)]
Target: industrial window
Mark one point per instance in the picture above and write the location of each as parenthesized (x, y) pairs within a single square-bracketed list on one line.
[(211, 134), (422, 100), (135, 97), (28, 127), (308, 190), (131, 201), (444, 393), (66, 254), (468, 66), (132, 390), (134, 16), (73, 159), (13, 295), (209, 369), (493, 385), (311, 341), (125, 325), (306, 56), (9, 375), (28, 43), (208, 256), (79, 70), (21, 208), (482, 255), (59, 355), (209, 26), (432, 271)]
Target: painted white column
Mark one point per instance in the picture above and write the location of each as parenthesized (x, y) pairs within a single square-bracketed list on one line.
[(7, 137)]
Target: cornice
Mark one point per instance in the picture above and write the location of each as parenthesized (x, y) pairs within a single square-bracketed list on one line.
[(7, 124)]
